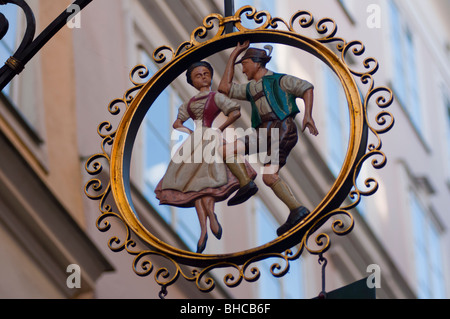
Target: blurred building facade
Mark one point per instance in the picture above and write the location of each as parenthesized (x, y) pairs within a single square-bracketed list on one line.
[(48, 129)]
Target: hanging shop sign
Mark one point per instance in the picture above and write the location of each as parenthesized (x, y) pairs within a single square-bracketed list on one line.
[(303, 224)]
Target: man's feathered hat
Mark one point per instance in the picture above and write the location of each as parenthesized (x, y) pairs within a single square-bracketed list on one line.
[(258, 55)]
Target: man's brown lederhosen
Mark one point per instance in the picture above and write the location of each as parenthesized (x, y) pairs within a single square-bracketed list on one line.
[(288, 137)]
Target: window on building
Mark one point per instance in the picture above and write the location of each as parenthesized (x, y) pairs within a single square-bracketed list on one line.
[(337, 121), (405, 78), (428, 252), (447, 109), (270, 287), (8, 43), (348, 6), (19, 92), (157, 146)]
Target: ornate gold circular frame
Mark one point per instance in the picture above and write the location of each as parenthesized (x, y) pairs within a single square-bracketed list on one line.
[(139, 99)]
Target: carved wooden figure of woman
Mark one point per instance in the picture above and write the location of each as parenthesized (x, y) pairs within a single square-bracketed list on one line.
[(188, 181)]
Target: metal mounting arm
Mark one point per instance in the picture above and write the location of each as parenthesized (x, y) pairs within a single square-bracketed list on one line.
[(30, 45)]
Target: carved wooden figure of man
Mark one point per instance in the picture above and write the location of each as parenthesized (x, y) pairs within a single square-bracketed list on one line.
[(273, 99)]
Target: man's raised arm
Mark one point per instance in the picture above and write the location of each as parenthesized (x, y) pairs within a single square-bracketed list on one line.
[(227, 79)]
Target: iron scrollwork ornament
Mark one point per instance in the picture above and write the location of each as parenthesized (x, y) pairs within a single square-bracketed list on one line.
[(116, 145)]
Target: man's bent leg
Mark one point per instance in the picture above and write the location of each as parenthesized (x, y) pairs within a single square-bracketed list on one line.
[(248, 187), (284, 193)]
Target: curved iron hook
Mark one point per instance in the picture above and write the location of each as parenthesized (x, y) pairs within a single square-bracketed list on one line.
[(323, 262)]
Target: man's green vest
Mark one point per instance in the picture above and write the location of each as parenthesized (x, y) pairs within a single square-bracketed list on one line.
[(282, 103)]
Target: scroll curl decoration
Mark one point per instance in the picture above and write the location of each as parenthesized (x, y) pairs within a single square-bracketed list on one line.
[(339, 227), (246, 269)]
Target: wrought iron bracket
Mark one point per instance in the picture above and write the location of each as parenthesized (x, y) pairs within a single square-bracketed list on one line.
[(30, 45)]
